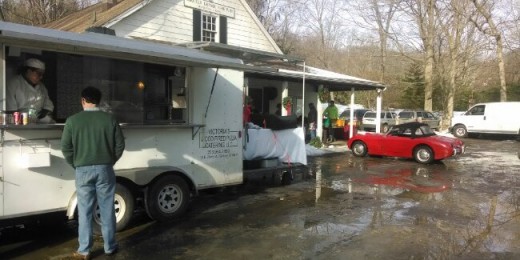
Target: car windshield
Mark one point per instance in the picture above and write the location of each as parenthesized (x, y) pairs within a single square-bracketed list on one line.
[(424, 130), (345, 114), (409, 131)]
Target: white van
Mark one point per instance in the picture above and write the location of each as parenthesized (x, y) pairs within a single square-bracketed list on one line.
[(488, 118)]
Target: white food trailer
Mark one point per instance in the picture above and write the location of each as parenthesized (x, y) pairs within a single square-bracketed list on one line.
[(181, 112)]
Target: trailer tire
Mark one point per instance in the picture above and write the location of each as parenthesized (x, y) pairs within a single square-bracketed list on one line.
[(124, 204), (287, 177), (167, 198)]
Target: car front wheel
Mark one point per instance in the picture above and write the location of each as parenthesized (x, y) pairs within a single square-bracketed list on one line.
[(359, 148), (460, 131), (423, 154)]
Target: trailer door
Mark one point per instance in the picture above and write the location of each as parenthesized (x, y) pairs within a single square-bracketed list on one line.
[(1, 181)]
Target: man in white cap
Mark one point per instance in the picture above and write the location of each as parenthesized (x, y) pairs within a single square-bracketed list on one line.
[(26, 92)]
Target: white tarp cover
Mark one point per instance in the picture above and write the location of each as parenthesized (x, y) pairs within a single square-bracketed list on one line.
[(287, 145)]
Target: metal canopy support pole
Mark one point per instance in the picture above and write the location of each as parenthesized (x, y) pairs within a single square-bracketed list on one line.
[(351, 123), (3, 79), (378, 110), (319, 118), (303, 101), (285, 93), (246, 87)]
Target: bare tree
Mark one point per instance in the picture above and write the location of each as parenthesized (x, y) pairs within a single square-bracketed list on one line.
[(324, 23), (486, 24), (36, 12), (278, 18), (424, 12), (378, 15), (460, 37)]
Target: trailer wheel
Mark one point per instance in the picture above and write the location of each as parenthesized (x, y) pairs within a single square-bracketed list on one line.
[(167, 198), (124, 207), (287, 177)]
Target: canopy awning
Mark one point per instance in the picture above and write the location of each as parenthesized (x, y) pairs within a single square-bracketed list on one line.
[(285, 67), (332, 83)]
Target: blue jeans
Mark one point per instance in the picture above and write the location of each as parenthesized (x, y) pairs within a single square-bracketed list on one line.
[(313, 134), (96, 183)]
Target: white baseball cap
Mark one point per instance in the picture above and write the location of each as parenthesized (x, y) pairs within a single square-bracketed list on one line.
[(35, 63)]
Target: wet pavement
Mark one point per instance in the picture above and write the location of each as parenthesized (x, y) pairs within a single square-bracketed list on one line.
[(344, 208)]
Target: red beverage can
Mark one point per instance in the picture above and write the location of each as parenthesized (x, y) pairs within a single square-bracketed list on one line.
[(17, 119)]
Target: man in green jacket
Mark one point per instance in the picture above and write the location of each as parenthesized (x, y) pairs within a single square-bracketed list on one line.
[(92, 142), (330, 113)]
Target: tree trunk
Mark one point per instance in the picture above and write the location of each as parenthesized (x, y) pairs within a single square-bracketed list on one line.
[(501, 68), (492, 30), (429, 33)]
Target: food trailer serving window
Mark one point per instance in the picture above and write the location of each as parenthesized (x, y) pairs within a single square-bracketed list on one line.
[(135, 92)]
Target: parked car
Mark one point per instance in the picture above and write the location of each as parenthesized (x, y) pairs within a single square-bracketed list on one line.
[(388, 119), (358, 116), (421, 116), (409, 140)]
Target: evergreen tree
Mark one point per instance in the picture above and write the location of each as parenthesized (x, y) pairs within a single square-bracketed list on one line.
[(413, 95)]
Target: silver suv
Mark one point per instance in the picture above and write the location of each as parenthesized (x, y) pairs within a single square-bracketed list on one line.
[(419, 116), (387, 120)]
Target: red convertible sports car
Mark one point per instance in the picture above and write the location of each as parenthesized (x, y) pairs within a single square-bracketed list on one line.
[(410, 140)]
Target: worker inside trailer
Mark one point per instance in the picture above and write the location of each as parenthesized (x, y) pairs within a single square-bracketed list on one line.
[(46, 83), (26, 93)]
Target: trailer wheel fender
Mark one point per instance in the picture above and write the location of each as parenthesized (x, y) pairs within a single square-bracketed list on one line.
[(167, 197), (73, 206)]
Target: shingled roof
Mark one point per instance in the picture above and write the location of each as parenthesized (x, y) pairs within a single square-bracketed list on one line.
[(93, 16)]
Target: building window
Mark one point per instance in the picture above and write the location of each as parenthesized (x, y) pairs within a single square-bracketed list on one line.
[(209, 28)]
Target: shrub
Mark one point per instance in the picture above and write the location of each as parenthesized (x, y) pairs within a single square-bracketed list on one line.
[(316, 142)]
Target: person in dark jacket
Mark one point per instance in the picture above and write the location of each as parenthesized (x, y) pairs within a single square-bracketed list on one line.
[(312, 118), (92, 142)]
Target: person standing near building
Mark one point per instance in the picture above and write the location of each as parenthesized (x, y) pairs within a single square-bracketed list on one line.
[(331, 113), (92, 142), (278, 111), (27, 93), (312, 118)]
